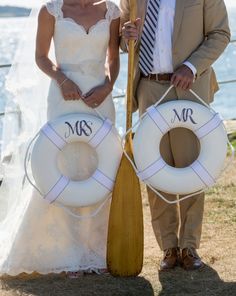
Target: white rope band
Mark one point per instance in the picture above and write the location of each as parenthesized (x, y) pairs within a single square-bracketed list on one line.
[(103, 180), (158, 119), (153, 169), (57, 189), (202, 173), (101, 133), (208, 127), (83, 217), (51, 134)]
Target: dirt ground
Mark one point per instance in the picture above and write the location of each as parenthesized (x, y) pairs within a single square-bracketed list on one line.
[(218, 250)]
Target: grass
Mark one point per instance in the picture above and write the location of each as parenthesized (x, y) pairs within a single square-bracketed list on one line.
[(218, 250), (232, 138)]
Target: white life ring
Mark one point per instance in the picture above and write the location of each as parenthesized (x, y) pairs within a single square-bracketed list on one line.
[(87, 128), (208, 128)]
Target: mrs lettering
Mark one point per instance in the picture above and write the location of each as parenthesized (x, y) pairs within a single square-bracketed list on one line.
[(80, 128), (185, 115)]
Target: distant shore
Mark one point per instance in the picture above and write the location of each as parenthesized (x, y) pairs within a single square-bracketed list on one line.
[(13, 11)]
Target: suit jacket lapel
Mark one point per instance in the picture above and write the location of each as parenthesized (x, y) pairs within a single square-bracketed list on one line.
[(179, 11)]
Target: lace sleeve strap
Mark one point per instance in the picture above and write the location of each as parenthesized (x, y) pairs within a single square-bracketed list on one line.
[(54, 8), (113, 11)]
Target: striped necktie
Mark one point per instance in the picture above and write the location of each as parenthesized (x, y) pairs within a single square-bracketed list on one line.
[(148, 37)]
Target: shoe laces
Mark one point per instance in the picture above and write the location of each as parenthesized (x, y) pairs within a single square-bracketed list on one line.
[(168, 252), (192, 253)]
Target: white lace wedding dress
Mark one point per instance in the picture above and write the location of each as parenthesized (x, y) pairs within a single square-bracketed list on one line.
[(35, 236)]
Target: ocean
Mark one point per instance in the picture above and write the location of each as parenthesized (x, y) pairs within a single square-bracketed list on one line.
[(225, 101)]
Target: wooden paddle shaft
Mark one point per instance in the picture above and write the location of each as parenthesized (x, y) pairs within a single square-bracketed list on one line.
[(133, 10), (125, 231)]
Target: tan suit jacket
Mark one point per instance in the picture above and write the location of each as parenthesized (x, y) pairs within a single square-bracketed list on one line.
[(201, 33)]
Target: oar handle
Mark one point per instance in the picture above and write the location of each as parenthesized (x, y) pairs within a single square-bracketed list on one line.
[(133, 9)]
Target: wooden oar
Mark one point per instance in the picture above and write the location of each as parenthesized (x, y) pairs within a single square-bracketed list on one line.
[(125, 231)]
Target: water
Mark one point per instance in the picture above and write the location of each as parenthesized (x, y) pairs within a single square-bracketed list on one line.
[(225, 103)]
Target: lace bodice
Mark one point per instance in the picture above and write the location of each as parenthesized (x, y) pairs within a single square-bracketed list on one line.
[(81, 56), (54, 7), (77, 50)]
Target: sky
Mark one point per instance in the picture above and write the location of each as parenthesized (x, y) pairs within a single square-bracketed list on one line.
[(33, 3)]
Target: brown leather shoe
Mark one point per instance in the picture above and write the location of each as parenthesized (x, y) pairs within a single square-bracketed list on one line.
[(191, 260), (170, 259)]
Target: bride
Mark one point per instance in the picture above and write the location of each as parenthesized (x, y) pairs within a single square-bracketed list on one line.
[(35, 236)]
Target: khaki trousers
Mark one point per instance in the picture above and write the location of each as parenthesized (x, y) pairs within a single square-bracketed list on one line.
[(175, 225)]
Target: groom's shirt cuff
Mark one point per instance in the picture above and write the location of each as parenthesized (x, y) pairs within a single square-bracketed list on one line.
[(191, 67)]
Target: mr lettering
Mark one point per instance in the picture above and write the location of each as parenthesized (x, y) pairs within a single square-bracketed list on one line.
[(185, 115)]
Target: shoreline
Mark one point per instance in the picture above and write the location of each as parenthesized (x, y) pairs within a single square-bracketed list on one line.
[(7, 11)]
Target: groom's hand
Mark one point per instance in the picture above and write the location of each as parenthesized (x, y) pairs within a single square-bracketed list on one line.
[(183, 78), (130, 31)]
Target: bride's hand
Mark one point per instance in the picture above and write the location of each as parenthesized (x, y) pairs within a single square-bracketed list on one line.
[(97, 95), (70, 90)]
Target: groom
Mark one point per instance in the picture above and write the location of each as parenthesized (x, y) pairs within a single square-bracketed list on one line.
[(177, 42)]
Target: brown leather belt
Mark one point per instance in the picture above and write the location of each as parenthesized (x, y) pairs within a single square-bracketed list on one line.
[(158, 77)]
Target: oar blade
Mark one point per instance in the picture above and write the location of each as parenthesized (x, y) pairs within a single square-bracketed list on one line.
[(125, 233)]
